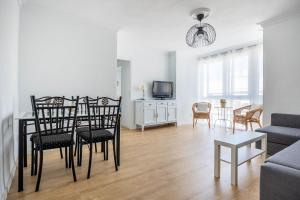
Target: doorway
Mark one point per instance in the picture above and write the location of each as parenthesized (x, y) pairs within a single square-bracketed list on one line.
[(124, 90)]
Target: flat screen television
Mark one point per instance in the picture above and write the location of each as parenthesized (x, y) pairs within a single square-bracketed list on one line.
[(162, 89)]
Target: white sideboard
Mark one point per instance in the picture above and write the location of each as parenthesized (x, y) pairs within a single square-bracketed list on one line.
[(155, 112)]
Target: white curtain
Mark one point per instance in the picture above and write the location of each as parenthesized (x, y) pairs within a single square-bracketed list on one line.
[(235, 75)]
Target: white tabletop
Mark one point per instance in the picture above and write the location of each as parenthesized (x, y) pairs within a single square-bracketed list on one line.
[(238, 139)]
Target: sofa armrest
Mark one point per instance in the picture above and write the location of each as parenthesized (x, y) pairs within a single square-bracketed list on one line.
[(279, 182), (285, 120)]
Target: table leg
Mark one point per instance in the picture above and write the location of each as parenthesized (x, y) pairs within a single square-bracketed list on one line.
[(249, 148), (234, 166), (25, 142), (264, 148), (20, 157), (118, 144), (224, 117), (217, 160)]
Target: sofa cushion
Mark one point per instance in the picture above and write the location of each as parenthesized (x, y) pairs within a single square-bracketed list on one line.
[(289, 157), (286, 120), (281, 135), (278, 182)]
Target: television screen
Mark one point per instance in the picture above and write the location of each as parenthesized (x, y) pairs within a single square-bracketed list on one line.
[(162, 89)]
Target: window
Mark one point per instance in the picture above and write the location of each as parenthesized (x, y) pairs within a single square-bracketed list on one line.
[(215, 78), (239, 75), (260, 69), (235, 76)]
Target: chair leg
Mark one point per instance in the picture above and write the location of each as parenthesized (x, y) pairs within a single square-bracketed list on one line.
[(76, 145), (61, 154), (193, 123), (246, 126), (72, 163), (70, 155), (251, 126), (114, 152), (66, 157), (78, 152), (90, 160), (36, 152), (106, 150), (40, 172), (96, 148), (259, 124), (209, 123), (32, 158), (102, 147)]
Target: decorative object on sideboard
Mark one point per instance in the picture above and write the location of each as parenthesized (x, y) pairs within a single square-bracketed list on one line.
[(141, 88), (201, 34)]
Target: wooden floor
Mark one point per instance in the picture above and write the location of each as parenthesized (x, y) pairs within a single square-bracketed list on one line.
[(161, 163)]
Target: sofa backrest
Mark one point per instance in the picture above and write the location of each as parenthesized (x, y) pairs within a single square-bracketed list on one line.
[(286, 120)]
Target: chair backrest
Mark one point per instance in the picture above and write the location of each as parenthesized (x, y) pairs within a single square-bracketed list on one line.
[(48, 101), (82, 105), (241, 110), (254, 113), (103, 115), (55, 118), (201, 107)]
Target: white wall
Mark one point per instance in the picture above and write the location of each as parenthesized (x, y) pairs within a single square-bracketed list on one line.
[(172, 69), (282, 66), (147, 64), (9, 34), (186, 86), (62, 54)]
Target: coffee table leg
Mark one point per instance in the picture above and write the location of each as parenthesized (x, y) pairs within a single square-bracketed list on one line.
[(249, 148), (217, 160), (264, 148), (234, 166)]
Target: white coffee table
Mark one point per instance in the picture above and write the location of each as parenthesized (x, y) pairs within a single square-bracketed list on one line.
[(238, 155)]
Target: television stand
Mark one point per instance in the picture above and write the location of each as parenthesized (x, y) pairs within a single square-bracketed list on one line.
[(155, 112)]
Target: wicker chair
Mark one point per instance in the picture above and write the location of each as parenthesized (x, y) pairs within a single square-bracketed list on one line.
[(247, 114), (201, 110)]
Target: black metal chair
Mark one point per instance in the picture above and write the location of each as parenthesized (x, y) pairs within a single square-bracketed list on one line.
[(41, 102), (103, 122), (55, 127), (82, 122)]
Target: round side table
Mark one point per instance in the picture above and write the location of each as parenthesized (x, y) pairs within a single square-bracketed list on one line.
[(223, 116)]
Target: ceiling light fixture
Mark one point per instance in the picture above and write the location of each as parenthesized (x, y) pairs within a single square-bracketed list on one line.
[(201, 34)]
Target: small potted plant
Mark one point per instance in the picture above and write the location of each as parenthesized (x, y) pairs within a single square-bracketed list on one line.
[(223, 103)]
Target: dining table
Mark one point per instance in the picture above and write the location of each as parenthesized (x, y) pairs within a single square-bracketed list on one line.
[(28, 118)]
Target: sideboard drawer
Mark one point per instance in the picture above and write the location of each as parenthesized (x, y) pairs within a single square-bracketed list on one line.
[(149, 104), (162, 103), (171, 103)]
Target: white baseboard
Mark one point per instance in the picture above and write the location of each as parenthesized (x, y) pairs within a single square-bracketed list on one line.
[(8, 185)]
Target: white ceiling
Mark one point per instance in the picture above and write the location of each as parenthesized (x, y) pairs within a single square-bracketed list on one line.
[(164, 23)]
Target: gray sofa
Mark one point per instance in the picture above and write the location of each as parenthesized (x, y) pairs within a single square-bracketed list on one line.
[(283, 131), (280, 175)]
